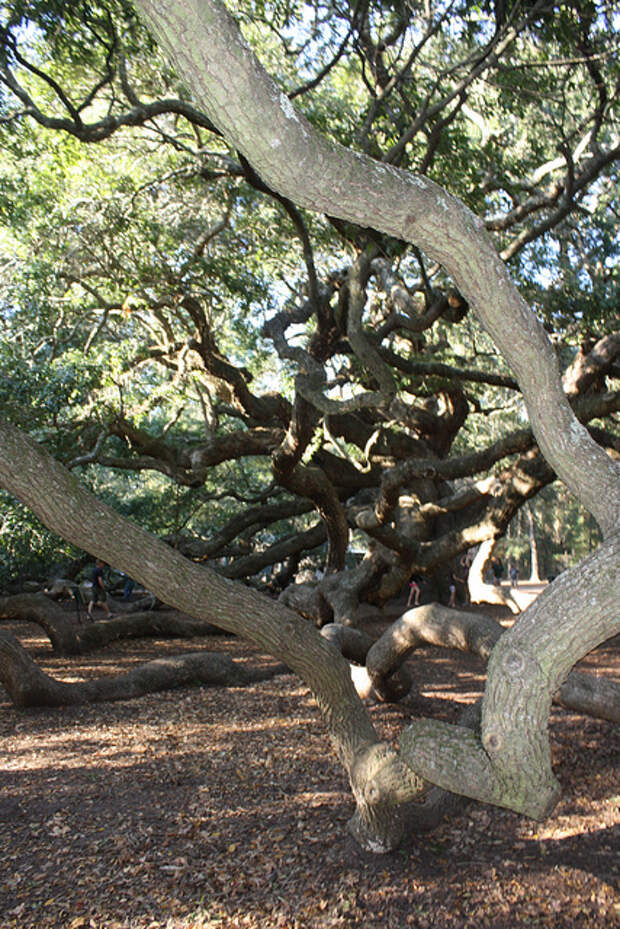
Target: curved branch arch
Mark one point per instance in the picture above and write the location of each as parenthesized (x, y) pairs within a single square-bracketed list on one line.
[(246, 104)]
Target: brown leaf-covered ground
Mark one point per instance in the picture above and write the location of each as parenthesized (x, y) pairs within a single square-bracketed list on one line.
[(198, 809)]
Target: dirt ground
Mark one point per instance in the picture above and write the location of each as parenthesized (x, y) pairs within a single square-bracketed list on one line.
[(213, 809)]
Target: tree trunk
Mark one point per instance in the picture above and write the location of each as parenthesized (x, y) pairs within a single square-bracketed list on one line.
[(511, 770), (511, 763), (307, 600), (434, 624), (534, 567), (67, 508), (59, 625), (479, 590)]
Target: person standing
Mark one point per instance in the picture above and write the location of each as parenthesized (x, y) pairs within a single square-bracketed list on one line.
[(452, 589), (466, 561), (128, 587), (514, 574), (414, 591), (99, 591)]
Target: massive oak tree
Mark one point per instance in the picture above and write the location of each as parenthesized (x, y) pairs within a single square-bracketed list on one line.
[(267, 382), (508, 762)]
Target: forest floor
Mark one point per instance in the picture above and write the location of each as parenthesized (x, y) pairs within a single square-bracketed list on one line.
[(213, 809)]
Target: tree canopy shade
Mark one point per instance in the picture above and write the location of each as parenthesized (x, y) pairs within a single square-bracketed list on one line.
[(370, 334)]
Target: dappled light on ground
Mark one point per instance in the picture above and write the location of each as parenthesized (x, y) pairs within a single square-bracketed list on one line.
[(219, 808)]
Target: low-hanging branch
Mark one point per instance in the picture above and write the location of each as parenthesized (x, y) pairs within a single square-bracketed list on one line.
[(28, 685), (70, 636), (434, 624)]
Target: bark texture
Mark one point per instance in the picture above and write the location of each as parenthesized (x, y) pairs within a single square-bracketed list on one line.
[(511, 765), (204, 42), (479, 590), (513, 771), (59, 625), (70, 510), (434, 624)]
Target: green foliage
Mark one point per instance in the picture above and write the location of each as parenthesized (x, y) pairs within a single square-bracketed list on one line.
[(565, 533), (27, 548), (43, 390)]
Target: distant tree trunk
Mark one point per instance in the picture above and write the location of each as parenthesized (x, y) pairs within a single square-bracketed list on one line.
[(534, 567)]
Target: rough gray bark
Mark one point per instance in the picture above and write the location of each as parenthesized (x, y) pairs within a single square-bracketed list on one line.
[(336, 596), (68, 509), (434, 624), (353, 644), (29, 686), (59, 626), (306, 599), (247, 106), (344, 591), (384, 782), (593, 696), (511, 765)]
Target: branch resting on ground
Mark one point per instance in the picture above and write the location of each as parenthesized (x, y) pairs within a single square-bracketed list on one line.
[(28, 686), (434, 624), (69, 638)]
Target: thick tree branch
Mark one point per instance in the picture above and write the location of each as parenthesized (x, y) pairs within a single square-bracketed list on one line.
[(510, 764), (28, 686), (248, 107), (71, 511)]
